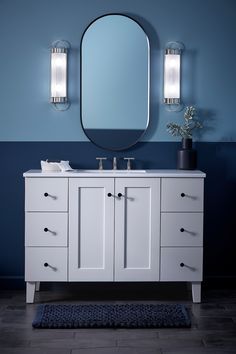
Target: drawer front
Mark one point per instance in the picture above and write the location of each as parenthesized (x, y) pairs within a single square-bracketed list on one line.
[(173, 258), (182, 194), (37, 257), (46, 194), (182, 229), (46, 229)]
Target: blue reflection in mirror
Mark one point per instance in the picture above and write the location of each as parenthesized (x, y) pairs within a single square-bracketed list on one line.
[(114, 81)]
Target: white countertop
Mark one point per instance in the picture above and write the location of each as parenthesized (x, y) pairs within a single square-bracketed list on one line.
[(117, 173)]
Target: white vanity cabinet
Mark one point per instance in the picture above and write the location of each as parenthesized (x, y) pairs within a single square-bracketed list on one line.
[(116, 226)]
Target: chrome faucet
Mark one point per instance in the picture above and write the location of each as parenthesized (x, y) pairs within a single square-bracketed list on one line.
[(100, 165), (114, 163), (129, 162)]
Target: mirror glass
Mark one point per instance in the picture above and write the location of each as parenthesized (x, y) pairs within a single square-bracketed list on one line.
[(114, 81)]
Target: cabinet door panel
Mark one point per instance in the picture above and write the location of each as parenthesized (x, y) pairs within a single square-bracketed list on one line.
[(91, 229), (137, 229)]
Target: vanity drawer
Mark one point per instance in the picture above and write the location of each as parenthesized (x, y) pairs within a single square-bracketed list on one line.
[(181, 263), (182, 194), (46, 194), (181, 229), (46, 229), (37, 259)]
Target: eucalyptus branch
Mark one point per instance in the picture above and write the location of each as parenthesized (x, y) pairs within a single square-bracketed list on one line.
[(185, 130)]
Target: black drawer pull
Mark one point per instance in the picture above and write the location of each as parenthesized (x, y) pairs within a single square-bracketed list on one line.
[(50, 266), (182, 264), (182, 229), (182, 195), (109, 194), (49, 195), (47, 230), (119, 195)]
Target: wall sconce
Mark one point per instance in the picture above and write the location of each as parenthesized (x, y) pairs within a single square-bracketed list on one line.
[(58, 97), (172, 76)]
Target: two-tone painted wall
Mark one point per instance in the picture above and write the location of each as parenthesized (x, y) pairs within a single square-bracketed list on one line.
[(31, 130)]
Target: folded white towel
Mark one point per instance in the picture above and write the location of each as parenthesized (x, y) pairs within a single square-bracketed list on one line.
[(64, 166), (55, 166)]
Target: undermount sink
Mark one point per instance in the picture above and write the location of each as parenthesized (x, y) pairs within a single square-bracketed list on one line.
[(109, 171)]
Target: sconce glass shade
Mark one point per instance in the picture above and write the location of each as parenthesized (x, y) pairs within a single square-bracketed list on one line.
[(58, 75), (172, 76)]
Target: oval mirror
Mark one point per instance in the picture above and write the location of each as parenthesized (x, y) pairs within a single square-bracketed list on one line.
[(114, 82)]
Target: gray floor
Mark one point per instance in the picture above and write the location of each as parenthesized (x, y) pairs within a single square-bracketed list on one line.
[(213, 322)]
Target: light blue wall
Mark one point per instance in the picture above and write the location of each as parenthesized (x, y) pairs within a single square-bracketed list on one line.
[(28, 27)]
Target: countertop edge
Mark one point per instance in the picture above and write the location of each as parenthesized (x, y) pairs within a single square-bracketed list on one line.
[(149, 173)]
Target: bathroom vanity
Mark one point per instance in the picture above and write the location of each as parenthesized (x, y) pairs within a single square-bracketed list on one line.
[(90, 225)]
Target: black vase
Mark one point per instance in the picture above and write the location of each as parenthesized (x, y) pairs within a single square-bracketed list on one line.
[(187, 156)]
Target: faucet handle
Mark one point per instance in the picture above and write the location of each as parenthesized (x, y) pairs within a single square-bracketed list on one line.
[(129, 162), (100, 165), (114, 164)]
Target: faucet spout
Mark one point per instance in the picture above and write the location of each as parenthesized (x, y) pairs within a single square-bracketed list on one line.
[(114, 163)]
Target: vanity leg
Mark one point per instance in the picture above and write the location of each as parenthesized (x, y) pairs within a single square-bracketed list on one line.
[(37, 287), (196, 292), (30, 291)]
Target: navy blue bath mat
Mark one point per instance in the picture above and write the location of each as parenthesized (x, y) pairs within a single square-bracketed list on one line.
[(111, 316)]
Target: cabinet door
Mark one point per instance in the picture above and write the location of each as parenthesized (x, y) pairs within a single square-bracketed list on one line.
[(137, 229), (91, 229)]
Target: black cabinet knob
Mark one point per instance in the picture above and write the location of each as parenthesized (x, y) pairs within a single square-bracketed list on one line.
[(109, 194), (46, 194), (182, 264), (119, 195), (182, 195), (46, 229), (182, 229), (46, 264)]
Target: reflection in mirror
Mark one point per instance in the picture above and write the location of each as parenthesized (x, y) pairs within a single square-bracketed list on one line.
[(114, 82)]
